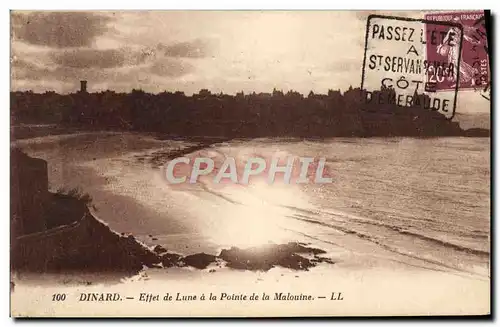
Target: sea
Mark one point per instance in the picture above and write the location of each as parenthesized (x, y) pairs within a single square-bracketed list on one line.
[(420, 203)]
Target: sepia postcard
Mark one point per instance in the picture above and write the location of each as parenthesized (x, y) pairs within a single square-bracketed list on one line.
[(250, 163)]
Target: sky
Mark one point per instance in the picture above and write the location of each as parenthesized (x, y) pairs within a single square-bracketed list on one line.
[(158, 51)]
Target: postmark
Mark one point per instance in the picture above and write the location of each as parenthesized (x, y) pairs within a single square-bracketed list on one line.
[(396, 66), (474, 73)]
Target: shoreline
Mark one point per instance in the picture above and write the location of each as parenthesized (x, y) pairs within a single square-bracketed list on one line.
[(27, 131)]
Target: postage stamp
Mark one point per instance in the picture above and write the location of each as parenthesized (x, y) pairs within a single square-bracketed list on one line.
[(474, 70), (397, 67)]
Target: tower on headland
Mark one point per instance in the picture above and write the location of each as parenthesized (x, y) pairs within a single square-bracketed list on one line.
[(83, 86)]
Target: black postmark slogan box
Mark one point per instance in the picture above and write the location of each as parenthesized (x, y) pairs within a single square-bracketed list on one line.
[(396, 74)]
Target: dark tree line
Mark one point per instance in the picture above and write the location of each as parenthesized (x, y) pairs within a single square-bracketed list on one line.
[(241, 115)]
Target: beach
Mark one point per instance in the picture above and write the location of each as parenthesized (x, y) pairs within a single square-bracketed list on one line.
[(401, 216)]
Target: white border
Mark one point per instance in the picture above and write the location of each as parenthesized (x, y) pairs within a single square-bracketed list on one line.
[(205, 5)]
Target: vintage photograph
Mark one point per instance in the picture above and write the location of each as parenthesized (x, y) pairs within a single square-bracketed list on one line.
[(250, 163)]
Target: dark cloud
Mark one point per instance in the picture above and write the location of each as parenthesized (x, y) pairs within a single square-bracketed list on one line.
[(58, 29), (168, 63), (23, 70), (89, 58), (72, 57), (193, 49)]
